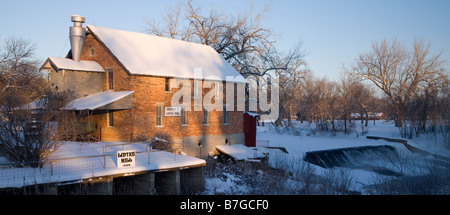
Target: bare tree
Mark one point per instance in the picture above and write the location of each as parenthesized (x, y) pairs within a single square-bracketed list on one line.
[(320, 102), (18, 67), (346, 94), (239, 39), (30, 132), (329, 103), (400, 72), (363, 96), (307, 99), (291, 82), (28, 129)]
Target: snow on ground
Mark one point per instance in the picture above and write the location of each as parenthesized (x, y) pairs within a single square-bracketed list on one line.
[(426, 142), (307, 142), (297, 141), (302, 139), (229, 183)]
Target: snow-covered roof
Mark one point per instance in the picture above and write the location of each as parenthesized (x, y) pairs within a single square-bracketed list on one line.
[(252, 114), (376, 114), (69, 64), (241, 152), (144, 54), (34, 105), (97, 100)]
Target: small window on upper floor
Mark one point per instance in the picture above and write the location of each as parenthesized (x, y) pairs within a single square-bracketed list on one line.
[(167, 84), (197, 88), (110, 77)]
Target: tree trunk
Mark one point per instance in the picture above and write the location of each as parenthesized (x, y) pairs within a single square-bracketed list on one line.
[(289, 116), (367, 119), (345, 123), (399, 119)]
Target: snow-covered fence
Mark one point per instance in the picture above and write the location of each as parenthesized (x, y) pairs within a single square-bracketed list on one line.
[(76, 168), (122, 146)]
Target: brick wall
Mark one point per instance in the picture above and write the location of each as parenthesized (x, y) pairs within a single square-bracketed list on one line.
[(148, 93)]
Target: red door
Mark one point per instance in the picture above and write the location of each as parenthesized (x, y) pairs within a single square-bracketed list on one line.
[(250, 130)]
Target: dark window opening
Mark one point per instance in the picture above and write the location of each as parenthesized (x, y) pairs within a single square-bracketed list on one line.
[(110, 79), (167, 84), (110, 118)]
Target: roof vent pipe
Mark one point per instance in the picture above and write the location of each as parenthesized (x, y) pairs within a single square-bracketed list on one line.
[(77, 36)]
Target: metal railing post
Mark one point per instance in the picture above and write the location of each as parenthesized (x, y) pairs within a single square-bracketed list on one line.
[(104, 157)]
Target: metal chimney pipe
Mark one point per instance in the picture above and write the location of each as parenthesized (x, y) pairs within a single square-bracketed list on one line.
[(77, 36)]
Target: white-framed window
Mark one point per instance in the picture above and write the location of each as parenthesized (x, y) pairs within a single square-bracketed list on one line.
[(110, 118), (159, 115)]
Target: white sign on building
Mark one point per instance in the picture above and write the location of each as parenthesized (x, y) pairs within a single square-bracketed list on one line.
[(172, 111), (126, 158)]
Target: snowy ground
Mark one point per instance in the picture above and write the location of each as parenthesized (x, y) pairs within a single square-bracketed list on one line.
[(302, 139), (242, 179)]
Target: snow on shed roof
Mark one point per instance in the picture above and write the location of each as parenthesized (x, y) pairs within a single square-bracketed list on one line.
[(98, 166), (34, 105), (252, 114), (144, 54), (97, 100), (241, 152), (69, 64)]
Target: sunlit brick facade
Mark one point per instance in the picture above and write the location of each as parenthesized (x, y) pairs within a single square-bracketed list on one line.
[(150, 92)]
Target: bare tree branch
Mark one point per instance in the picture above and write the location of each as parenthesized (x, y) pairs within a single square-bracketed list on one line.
[(401, 72)]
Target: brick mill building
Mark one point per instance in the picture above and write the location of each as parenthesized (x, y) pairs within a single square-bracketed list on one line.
[(120, 83)]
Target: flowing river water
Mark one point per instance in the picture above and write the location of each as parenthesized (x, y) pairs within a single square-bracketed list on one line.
[(383, 159)]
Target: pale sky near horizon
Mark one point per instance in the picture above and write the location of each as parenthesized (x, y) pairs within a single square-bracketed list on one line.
[(333, 32)]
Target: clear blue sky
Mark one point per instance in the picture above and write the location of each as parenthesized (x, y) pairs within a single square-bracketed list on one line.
[(333, 32)]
